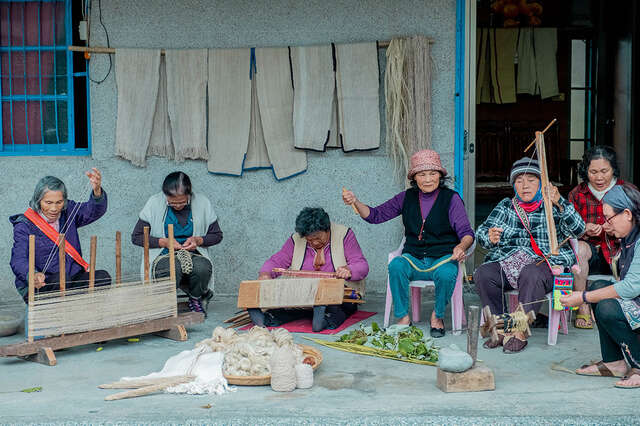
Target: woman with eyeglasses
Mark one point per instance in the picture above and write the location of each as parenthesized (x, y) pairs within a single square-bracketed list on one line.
[(617, 306), (599, 173), (195, 227)]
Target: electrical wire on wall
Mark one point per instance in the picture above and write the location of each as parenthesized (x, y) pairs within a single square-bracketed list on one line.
[(86, 12)]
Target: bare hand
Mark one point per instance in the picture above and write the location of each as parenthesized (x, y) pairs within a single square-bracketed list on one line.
[(264, 276), (573, 299), (39, 280), (192, 243), (164, 243), (96, 181), (593, 229), (458, 254), (348, 197), (343, 272), (494, 235), (553, 194)]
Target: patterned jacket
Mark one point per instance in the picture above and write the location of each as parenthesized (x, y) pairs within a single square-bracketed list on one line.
[(515, 237)]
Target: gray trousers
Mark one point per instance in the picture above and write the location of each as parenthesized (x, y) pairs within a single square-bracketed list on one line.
[(196, 283)]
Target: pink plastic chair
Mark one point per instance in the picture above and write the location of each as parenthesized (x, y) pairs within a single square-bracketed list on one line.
[(457, 304)]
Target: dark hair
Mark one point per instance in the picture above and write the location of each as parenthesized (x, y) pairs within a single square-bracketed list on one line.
[(634, 195), (312, 219), (443, 181), (176, 183), (595, 153)]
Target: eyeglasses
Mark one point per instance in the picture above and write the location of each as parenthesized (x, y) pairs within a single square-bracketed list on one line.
[(608, 219), (179, 204)]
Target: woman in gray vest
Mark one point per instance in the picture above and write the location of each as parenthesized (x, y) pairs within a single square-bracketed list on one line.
[(317, 245), (195, 227), (436, 227), (617, 306)]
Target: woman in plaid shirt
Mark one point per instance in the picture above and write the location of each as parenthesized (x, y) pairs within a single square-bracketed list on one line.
[(515, 233), (599, 173)]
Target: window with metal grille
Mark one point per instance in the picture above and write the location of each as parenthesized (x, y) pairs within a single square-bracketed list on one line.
[(43, 88)]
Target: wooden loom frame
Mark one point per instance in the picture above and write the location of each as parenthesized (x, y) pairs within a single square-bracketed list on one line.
[(42, 350)]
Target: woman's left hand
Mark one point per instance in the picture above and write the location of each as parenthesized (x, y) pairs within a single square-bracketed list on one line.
[(192, 243), (554, 194), (343, 272), (458, 254), (96, 181), (573, 299)]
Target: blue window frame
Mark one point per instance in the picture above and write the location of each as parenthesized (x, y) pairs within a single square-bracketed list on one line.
[(40, 91)]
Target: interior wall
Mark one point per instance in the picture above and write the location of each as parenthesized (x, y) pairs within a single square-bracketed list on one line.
[(256, 213)]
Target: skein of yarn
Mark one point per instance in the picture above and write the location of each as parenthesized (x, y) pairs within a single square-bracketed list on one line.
[(283, 373), (304, 376)]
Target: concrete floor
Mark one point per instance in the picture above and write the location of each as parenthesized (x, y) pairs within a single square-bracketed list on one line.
[(348, 388)]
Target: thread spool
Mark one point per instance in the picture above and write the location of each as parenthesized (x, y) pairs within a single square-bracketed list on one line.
[(283, 373), (304, 376)]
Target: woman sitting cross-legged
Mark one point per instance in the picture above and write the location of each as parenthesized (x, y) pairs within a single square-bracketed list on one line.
[(436, 228), (617, 306), (195, 227), (317, 245), (517, 237)]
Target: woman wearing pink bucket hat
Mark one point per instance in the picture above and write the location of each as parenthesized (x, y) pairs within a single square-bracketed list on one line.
[(436, 227)]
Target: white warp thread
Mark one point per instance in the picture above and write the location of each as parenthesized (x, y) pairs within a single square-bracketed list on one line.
[(298, 292), (304, 376)]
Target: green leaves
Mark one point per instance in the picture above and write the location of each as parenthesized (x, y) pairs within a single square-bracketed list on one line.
[(31, 390)]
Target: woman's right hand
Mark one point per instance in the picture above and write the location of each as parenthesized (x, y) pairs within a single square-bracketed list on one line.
[(593, 229), (39, 280), (348, 197), (264, 276), (164, 243), (494, 235)]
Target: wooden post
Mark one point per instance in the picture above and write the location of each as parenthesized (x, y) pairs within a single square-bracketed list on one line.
[(32, 281), (473, 325), (146, 254), (548, 205), (62, 257), (92, 262), (172, 258), (118, 258)]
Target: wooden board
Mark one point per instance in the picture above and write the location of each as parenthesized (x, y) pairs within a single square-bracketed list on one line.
[(87, 337), (548, 205), (478, 378), (330, 292)]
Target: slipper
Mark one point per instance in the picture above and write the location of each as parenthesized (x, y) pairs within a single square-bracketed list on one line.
[(632, 372), (603, 370), (437, 332), (586, 318), (513, 345), (488, 344)]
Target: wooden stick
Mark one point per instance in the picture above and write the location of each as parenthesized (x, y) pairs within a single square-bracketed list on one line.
[(240, 323), (548, 205), (353, 301), (540, 262), (148, 389), (236, 317), (353, 206), (62, 263), (312, 274), (92, 262), (118, 258), (146, 253), (172, 258), (141, 383), (472, 331), (32, 280), (545, 129)]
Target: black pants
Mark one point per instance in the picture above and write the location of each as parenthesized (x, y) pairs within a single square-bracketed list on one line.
[(533, 283), (617, 339), (80, 279), (328, 316), (196, 283)]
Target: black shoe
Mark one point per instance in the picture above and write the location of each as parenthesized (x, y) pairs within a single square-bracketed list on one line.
[(206, 298), (437, 332)]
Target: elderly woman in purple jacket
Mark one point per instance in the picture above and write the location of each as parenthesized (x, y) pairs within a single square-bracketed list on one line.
[(50, 212)]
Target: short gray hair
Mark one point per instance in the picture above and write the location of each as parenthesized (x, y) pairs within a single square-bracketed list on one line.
[(47, 183)]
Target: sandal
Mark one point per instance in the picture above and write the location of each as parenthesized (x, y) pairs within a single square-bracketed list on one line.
[(626, 377), (586, 318), (603, 370), (514, 345)]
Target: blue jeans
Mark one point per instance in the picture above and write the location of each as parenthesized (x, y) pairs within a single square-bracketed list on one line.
[(401, 272)]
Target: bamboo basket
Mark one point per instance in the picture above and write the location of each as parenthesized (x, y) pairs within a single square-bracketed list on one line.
[(308, 351)]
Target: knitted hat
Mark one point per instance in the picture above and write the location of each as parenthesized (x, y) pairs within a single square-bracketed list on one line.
[(426, 159), (524, 165)]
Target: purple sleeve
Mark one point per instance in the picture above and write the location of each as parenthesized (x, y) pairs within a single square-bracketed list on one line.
[(387, 210), (91, 210), (20, 252), (281, 259), (458, 218), (355, 259)]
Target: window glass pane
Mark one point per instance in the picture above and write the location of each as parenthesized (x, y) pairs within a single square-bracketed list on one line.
[(63, 130), (49, 125), (577, 114), (19, 127), (578, 61), (6, 119)]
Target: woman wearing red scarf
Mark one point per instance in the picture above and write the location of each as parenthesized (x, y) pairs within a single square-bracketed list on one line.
[(516, 235)]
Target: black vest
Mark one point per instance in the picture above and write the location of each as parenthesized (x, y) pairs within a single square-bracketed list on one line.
[(438, 237)]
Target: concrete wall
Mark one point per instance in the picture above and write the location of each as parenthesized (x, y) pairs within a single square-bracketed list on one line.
[(256, 213)]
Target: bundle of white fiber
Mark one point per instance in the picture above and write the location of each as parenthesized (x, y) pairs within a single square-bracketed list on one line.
[(283, 373), (304, 376)]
